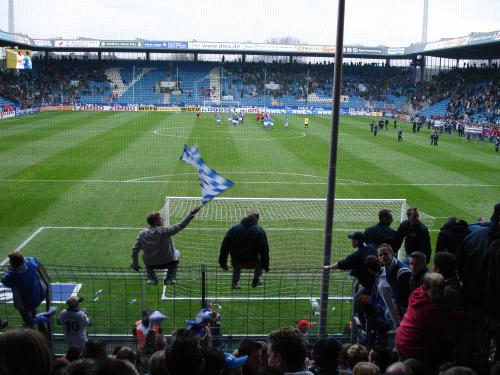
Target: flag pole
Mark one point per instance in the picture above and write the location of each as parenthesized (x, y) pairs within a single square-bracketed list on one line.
[(332, 168)]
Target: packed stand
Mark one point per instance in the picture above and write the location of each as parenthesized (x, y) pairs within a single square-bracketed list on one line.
[(473, 93)]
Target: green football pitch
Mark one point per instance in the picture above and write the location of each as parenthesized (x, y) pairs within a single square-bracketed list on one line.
[(75, 188)]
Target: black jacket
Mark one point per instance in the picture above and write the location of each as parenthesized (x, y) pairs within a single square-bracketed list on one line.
[(416, 238), (247, 244), (478, 259), (380, 233), (451, 236), (356, 263)]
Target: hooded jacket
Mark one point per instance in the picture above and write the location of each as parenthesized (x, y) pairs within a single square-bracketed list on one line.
[(423, 324), (451, 236), (247, 244)]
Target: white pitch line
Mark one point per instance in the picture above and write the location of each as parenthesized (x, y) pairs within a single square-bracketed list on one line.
[(250, 182), (231, 173), (209, 229), (23, 244), (164, 298), (95, 228)]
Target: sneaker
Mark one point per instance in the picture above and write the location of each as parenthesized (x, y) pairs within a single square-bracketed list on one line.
[(3, 323), (169, 281), (256, 283), (236, 286), (152, 282)]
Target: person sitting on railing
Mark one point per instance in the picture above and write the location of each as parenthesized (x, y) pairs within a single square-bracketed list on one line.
[(158, 251)]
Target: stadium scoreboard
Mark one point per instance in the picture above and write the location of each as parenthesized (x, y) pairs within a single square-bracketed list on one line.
[(18, 58)]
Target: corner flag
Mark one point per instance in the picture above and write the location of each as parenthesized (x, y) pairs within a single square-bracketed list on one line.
[(211, 183)]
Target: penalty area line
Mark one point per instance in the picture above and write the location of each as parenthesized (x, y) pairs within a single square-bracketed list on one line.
[(23, 244)]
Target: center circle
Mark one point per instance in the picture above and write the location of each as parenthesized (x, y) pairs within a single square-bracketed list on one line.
[(213, 134)]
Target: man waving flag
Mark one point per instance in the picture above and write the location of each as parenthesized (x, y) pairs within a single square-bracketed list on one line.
[(212, 184)]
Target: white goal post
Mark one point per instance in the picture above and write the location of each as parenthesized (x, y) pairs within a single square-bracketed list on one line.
[(294, 226)]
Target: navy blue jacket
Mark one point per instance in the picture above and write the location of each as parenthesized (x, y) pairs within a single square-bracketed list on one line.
[(356, 263), (247, 244), (416, 238), (380, 233)]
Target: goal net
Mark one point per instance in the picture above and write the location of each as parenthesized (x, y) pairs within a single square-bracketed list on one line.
[(226, 104), (294, 227)]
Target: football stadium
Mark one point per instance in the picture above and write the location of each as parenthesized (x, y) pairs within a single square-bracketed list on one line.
[(201, 175)]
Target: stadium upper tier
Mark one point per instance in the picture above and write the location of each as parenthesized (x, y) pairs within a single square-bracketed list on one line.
[(459, 92)]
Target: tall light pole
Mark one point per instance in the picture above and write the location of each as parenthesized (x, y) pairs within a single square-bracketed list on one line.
[(425, 21), (11, 16)]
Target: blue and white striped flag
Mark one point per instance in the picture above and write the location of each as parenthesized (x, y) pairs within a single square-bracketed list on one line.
[(211, 183)]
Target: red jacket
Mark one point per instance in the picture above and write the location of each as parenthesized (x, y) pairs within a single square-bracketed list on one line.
[(423, 324)]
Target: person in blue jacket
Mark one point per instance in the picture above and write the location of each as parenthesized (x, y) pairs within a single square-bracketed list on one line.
[(27, 289)]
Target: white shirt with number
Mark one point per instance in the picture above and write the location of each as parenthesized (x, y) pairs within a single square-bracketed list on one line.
[(74, 324)]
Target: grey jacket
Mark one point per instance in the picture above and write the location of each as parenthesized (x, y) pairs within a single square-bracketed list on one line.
[(156, 243)]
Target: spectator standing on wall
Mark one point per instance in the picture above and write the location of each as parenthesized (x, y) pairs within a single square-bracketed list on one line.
[(247, 244)]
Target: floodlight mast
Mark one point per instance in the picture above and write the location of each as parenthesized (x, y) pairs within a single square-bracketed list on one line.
[(11, 16), (332, 168), (425, 20)]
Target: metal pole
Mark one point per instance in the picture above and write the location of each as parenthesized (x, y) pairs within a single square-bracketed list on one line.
[(133, 84), (425, 21), (203, 285), (332, 169), (11, 17)]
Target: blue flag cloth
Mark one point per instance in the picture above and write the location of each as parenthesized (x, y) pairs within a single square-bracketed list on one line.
[(211, 183)]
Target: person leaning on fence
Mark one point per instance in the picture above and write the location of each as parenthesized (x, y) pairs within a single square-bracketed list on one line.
[(158, 251), (27, 289), (355, 262), (247, 244)]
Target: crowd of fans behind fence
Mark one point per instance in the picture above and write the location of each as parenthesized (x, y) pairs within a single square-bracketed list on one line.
[(409, 318)]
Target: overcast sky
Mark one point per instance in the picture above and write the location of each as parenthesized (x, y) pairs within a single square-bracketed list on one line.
[(368, 22)]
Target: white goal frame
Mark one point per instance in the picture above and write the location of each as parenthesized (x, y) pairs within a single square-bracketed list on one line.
[(166, 210)]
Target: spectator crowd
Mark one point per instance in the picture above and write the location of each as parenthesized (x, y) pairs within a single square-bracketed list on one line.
[(411, 316)]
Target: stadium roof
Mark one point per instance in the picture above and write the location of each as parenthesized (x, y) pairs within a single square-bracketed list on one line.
[(474, 46)]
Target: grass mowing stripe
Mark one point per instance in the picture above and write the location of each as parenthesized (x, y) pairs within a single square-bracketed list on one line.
[(41, 150), (20, 140), (78, 160)]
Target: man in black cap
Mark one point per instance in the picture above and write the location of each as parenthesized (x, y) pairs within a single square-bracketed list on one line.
[(355, 262)]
